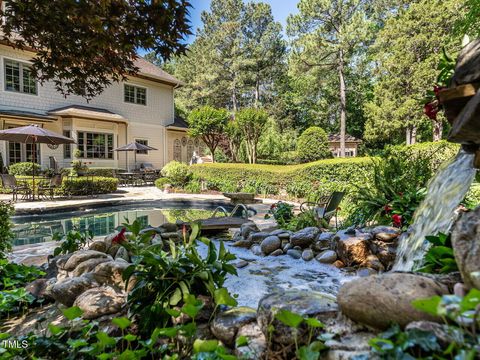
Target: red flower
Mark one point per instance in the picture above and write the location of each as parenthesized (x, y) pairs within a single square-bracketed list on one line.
[(387, 208), (431, 110), (397, 220), (437, 89), (120, 237), (273, 206)]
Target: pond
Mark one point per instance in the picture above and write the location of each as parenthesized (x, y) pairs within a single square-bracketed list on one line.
[(33, 229)]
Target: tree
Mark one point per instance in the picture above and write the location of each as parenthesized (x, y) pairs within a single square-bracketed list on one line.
[(407, 52), (313, 145), (82, 46), (208, 124), (251, 123), (327, 34)]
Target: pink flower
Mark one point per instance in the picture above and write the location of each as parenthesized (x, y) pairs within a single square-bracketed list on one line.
[(120, 237), (397, 220), (387, 208)]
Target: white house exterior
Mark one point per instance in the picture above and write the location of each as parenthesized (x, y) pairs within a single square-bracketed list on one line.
[(140, 109)]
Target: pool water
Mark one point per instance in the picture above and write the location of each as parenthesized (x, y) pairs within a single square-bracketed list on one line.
[(100, 222)]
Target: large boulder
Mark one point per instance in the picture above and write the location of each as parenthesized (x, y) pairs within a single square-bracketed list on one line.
[(327, 257), (98, 245), (89, 265), (386, 233), (226, 324), (305, 237), (110, 273), (305, 303), (81, 256), (257, 343), (466, 246), (380, 300), (270, 244), (248, 228), (100, 301), (66, 291), (352, 250)]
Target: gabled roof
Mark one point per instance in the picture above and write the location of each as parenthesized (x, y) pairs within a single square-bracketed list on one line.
[(87, 112), (152, 71), (25, 113), (179, 122), (348, 138)]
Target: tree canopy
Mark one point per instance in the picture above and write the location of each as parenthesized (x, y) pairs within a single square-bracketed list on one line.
[(82, 46)]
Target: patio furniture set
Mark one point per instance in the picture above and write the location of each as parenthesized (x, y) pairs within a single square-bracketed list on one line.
[(44, 189)]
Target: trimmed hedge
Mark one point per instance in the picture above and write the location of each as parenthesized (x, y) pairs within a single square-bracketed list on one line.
[(83, 186), (24, 168), (94, 171)]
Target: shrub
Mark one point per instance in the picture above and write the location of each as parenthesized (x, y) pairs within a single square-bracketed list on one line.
[(24, 168), (313, 145), (161, 182), (193, 187), (178, 173), (472, 199), (84, 186), (6, 235)]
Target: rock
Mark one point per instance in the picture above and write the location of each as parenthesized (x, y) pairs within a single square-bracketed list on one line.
[(169, 227), (38, 288), (466, 247), (372, 262), (241, 264), (256, 250), (327, 257), (98, 245), (287, 247), (386, 233), (362, 272), (89, 265), (441, 331), (122, 253), (242, 243), (171, 236), (61, 260), (100, 301), (108, 240), (277, 252), (81, 256), (258, 237), (307, 255), (112, 250), (380, 300), (298, 248), (338, 264), (248, 228), (257, 343), (304, 237), (270, 244), (66, 291), (156, 240), (350, 346), (226, 324), (325, 238), (284, 236), (386, 252), (352, 250), (277, 232), (305, 303), (110, 273), (296, 254)]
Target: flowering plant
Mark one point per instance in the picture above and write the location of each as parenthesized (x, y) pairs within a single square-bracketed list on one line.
[(281, 212)]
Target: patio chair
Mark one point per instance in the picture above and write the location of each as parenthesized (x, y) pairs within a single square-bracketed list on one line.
[(47, 190), (150, 177), (147, 167), (10, 182), (326, 207)]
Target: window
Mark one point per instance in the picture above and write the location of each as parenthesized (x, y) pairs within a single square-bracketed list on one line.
[(143, 142), (19, 78), (177, 150), (18, 152), (67, 148), (95, 145), (135, 95)]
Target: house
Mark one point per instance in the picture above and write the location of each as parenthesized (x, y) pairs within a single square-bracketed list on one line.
[(139, 109), (351, 145)]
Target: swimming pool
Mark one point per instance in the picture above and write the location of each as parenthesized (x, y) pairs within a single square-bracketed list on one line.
[(101, 221)]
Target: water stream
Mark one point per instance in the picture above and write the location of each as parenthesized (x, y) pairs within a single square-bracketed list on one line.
[(437, 211)]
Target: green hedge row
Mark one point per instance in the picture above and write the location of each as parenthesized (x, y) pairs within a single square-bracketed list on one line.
[(96, 171)]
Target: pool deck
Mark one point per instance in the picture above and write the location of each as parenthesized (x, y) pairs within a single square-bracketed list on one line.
[(123, 195)]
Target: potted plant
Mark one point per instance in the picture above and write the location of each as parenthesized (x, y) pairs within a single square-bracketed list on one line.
[(78, 167)]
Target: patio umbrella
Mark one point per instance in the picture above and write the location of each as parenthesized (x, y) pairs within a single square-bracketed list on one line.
[(134, 146), (33, 134)]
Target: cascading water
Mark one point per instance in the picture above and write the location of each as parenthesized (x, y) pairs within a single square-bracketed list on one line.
[(436, 212)]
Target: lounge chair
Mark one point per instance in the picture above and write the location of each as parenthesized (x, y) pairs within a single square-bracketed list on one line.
[(47, 190), (10, 182), (326, 207)]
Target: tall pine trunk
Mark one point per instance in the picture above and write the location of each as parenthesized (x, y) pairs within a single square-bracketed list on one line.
[(343, 102), (257, 92)]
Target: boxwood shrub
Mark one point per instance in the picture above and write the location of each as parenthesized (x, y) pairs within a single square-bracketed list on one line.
[(24, 168), (83, 185), (96, 171)]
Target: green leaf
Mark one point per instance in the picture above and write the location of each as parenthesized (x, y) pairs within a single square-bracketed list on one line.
[(223, 297), (430, 305), (122, 322), (105, 340), (315, 323), (200, 346), (127, 355), (241, 341), (130, 337), (195, 231), (176, 297), (305, 353), (168, 332), (76, 343), (55, 330), (72, 313), (289, 318)]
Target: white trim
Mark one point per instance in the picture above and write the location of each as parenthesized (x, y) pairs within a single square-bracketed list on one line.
[(135, 94), (22, 63)]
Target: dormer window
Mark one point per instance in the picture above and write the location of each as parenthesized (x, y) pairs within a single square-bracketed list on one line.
[(135, 95), (19, 78)]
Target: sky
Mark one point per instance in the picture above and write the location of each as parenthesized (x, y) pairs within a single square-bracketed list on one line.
[(280, 8)]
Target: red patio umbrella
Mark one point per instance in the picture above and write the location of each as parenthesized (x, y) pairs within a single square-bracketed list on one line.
[(34, 134)]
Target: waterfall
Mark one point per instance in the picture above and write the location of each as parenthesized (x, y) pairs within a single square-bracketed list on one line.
[(436, 212)]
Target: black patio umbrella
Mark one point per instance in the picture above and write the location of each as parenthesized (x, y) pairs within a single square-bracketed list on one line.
[(33, 134), (134, 146)]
